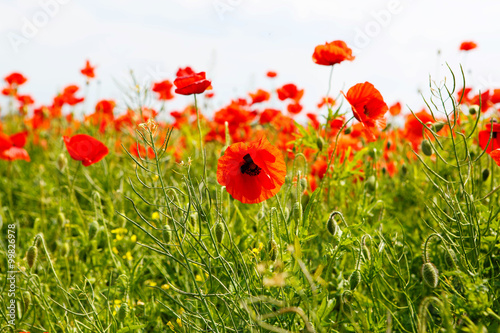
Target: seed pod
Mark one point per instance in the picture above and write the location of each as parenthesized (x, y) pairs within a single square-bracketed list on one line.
[(450, 258), (93, 227), (348, 130), (219, 232), (430, 274), (123, 311), (436, 127), (166, 233), (473, 109), (320, 143), (26, 300), (62, 162), (426, 147), (273, 250), (389, 144), (31, 255), (354, 279), (486, 174)]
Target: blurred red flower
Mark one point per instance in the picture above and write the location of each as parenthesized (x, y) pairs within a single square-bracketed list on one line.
[(83, 147), (11, 147), (16, 79), (252, 172), (195, 83), (184, 71), (271, 74), (88, 70), (164, 89), (467, 46), (259, 96), (294, 108), (291, 91), (484, 137), (332, 53), (395, 109), (368, 107), (495, 155)]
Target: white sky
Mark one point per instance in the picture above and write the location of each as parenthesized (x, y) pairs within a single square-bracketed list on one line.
[(237, 41)]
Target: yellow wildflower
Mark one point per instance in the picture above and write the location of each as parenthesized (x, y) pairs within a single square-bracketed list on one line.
[(155, 216), (165, 287)]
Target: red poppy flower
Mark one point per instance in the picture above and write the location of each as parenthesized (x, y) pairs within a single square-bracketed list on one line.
[(268, 115), (484, 137), (326, 100), (291, 91), (88, 71), (467, 46), (413, 130), (332, 53), (368, 107), (294, 108), (495, 155), (192, 84), (11, 147), (15, 79), (271, 74), (164, 90), (83, 147), (184, 71), (260, 96), (252, 172), (395, 109)]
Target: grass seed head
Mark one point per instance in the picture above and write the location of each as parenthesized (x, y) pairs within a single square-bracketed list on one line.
[(123, 311)]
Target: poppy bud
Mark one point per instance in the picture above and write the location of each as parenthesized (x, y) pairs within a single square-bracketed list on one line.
[(219, 232), (288, 181), (371, 183), (32, 255), (486, 174), (365, 251), (473, 109), (61, 218), (430, 274), (404, 169), (93, 227), (320, 143), (426, 148), (389, 144), (273, 250), (450, 258), (303, 183), (354, 279), (65, 250), (286, 211), (123, 311), (297, 210), (62, 162), (348, 130), (332, 226), (26, 300), (436, 127), (373, 153), (166, 234)]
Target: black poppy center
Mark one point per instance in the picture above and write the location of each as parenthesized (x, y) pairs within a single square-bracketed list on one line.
[(249, 167), (494, 135)]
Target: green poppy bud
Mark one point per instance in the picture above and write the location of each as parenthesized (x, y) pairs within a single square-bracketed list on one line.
[(354, 279), (426, 147), (486, 174), (93, 228), (219, 232), (31, 255), (273, 250), (430, 274), (473, 109)]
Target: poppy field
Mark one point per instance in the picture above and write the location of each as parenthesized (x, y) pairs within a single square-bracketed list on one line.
[(259, 216)]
